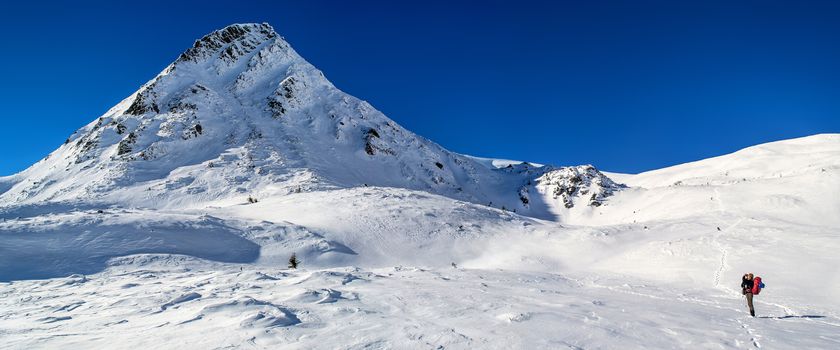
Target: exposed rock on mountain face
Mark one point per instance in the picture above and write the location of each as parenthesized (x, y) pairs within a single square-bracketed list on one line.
[(580, 182), (242, 113), (230, 43)]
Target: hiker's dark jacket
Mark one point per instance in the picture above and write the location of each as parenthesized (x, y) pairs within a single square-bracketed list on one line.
[(746, 285)]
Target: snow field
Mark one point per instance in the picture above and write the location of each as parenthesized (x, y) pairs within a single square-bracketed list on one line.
[(167, 223), (176, 303)]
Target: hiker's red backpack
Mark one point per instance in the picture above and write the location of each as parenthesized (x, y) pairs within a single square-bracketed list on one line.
[(757, 285)]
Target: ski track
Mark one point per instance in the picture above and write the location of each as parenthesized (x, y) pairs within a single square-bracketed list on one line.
[(751, 333), (724, 251), (723, 266)]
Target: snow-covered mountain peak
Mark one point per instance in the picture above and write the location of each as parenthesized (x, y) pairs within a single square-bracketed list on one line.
[(229, 43), (241, 114)]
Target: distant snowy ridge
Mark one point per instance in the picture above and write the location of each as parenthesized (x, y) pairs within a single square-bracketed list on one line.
[(791, 180), (242, 114), (816, 153)]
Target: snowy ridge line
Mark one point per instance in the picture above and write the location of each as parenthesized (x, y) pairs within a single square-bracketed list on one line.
[(241, 114)]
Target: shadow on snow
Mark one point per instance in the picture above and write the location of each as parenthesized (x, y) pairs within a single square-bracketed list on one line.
[(792, 316), (34, 252)]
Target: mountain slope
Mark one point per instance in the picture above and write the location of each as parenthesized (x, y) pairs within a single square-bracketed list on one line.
[(765, 161), (242, 114), (792, 180)]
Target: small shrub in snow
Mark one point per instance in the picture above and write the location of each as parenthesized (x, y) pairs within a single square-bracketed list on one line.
[(293, 261)]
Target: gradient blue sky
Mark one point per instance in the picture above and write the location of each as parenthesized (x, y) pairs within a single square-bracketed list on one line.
[(625, 85)]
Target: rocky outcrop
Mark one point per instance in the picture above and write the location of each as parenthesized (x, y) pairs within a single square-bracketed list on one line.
[(577, 185), (230, 43)]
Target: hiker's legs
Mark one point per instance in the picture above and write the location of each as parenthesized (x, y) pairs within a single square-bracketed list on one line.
[(750, 304)]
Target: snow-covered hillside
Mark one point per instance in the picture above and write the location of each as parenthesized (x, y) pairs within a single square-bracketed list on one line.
[(242, 114), (168, 223)]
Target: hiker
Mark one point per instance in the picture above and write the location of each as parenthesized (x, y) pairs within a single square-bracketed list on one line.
[(747, 284)]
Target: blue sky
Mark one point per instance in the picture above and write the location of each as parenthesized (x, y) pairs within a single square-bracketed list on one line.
[(625, 85)]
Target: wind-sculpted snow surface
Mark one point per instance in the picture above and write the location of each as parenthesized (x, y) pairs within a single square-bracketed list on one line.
[(169, 222), (180, 304), (58, 244)]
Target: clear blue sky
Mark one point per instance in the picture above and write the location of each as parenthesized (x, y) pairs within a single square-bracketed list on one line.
[(627, 86)]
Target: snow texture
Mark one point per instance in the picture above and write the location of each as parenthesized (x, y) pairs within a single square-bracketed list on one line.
[(168, 222)]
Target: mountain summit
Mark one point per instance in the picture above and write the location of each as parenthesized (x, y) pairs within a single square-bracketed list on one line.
[(241, 114)]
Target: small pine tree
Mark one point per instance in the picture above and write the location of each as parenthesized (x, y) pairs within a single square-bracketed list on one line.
[(293, 261)]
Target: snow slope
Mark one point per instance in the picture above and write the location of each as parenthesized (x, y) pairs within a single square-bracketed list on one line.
[(170, 304), (520, 282), (771, 207), (794, 180), (137, 232), (241, 113)]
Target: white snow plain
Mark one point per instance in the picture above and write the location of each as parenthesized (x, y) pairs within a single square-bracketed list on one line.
[(120, 241)]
